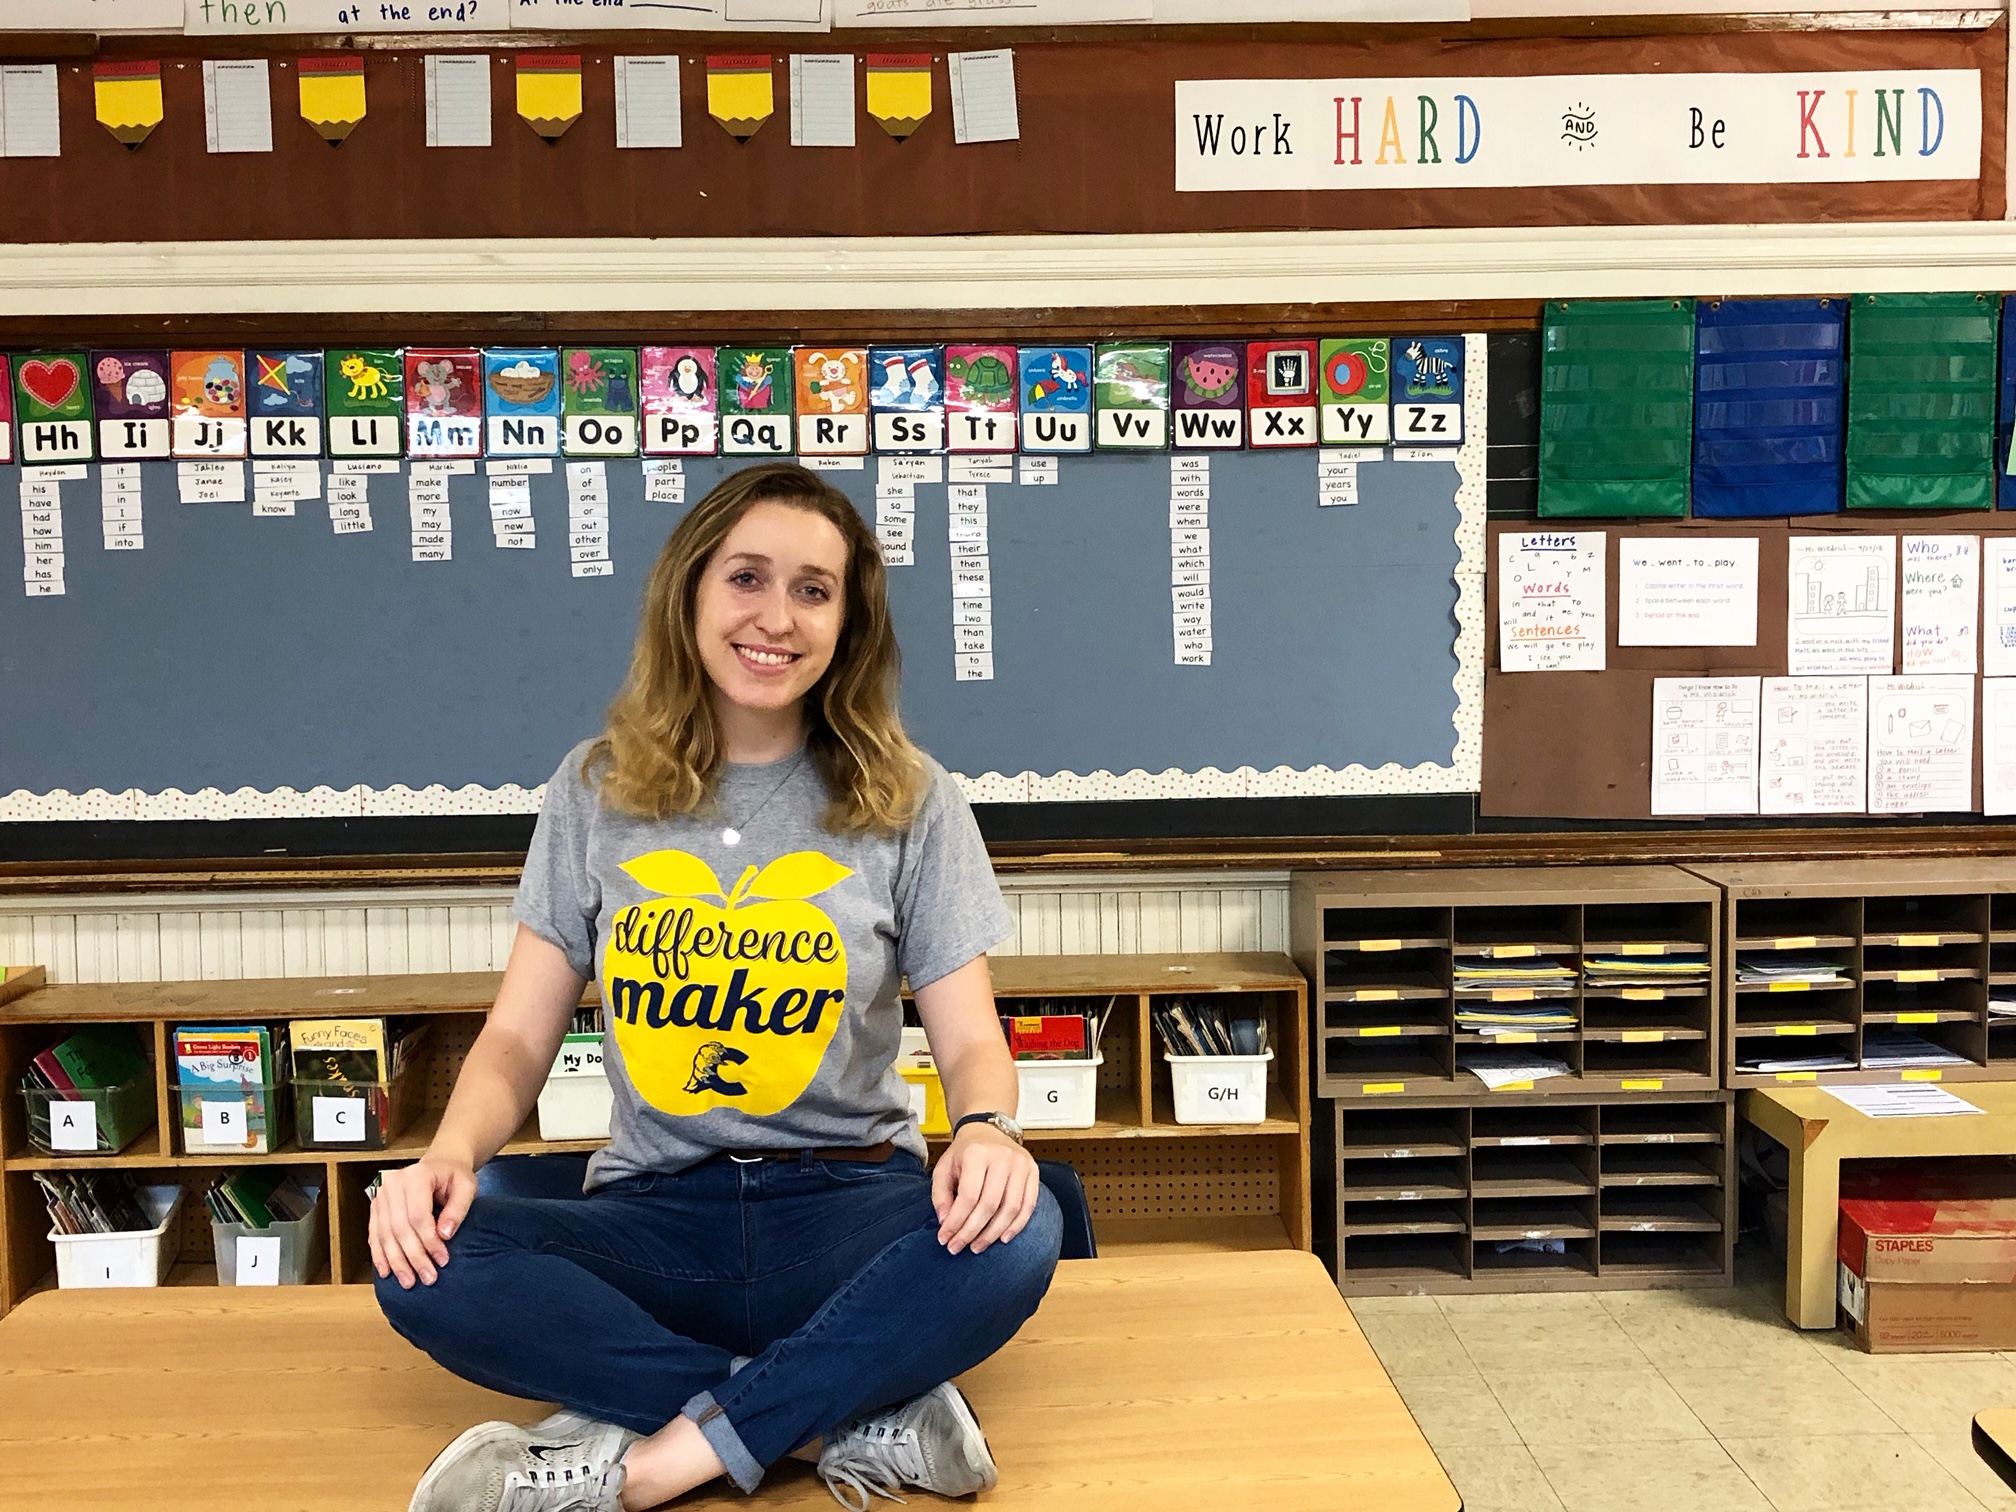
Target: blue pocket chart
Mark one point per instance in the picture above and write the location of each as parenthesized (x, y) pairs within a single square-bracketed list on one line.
[(1769, 376)]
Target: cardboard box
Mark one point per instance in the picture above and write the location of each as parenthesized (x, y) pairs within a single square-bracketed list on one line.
[(1931, 1239), (1927, 1317)]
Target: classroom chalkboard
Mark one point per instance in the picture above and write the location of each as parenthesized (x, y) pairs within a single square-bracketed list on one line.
[(250, 653)]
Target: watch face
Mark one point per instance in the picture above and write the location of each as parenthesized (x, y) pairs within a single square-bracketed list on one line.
[(1008, 1126)]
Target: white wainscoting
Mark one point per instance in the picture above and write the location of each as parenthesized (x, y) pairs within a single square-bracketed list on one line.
[(221, 935)]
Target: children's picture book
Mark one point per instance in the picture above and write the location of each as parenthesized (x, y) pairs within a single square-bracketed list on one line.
[(231, 1085)]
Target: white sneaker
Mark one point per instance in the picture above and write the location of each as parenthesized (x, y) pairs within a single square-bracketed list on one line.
[(565, 1464), (929, 1443)]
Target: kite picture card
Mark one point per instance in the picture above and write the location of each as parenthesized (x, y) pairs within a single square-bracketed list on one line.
[(286, 404), (681, 401), (52, 407), (756, 385), (130, 393), (907, 399), (1357, 391), (980, 398), (1130, 394), (521, 401), (1056, 396), (598, 402), (1208, 384), (444, 402), (206, 404), (1281, 393), (832, 397), (366, 392), (1428, 391)]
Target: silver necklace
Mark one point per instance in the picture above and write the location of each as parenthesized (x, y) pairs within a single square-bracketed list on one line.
[(731, 833)]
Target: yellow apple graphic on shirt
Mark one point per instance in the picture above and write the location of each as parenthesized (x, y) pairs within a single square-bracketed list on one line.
[(725, 998)]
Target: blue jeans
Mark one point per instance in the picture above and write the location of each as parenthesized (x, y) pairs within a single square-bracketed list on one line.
[(630, 1304)]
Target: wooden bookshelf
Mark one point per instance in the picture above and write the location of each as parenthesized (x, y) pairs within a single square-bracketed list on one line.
[(1152, 1183)]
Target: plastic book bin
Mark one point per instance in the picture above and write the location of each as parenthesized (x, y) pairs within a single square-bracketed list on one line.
[(250, 1119), (58, 1123), (102, 1260), (577, 1099), (303, 1248), (1058, 1094), (1219, 1089), (335, 1115)]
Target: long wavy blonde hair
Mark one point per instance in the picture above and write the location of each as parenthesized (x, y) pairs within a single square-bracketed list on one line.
[(660, 753)]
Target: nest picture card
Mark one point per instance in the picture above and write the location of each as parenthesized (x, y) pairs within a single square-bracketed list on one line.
[(206, 404), (286, 404), (1130, 395), (1209, 393), (366, 392), (127, 99), (1357, 390), (52, 406), (444, 402), (832, 400), (756, 385), (130, 393), (521, 401), (980, 390), (681, 401), (332, 95), (1056, 398), (1281, 392), (1427, 391), (907, 400), (598, 402)]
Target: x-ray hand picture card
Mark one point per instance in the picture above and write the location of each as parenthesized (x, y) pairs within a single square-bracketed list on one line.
[(286, 408), (331, 90), (906, 398), (1281, 393), (365, 389), (681, 401), (980, 398), (1209, 393), (206, 404), (832, 397), (130, 393), (1056, 398), (127, 100), (598, 402), (52, 407)]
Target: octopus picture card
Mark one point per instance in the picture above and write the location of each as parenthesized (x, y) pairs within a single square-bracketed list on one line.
[(598, 402)]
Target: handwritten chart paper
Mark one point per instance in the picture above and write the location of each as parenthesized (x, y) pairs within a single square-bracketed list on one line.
[(1550, 601), (1998, 607), (1687, 592), (1942, 602), (1998, 745), (1813, 749), (1704, 745), (1921, 745), (1840, 604)]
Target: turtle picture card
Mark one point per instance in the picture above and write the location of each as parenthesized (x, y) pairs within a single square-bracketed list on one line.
[(681, 401), (130, 393), (1208, 395), (286, 404), (980, 390)]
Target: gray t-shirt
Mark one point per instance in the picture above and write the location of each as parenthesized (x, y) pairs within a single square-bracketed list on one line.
[(750, 990)]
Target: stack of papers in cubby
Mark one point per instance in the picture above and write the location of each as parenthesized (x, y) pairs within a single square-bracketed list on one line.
[(1502, 1068), (1818, 1061), (1894, 1049), (1787, 966), (1501, 1018), (1644, 971), (1542, 971)]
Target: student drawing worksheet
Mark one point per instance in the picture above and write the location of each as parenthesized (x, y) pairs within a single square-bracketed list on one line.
[(1998, 608), (1840, 603), (1998, 745), (1813, 748), (1921, 744), (1704, 745)]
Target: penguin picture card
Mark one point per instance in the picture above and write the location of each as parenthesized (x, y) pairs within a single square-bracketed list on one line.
[(756, 386), (206, 404), (130, 390), (832, 395), (906, 398), (1208, 395), (681, 401), (1427, 391), (1130, 395), (286, 404), (980, 391), (598, 402), (1056, 396), (521, 401), (1281, 393)]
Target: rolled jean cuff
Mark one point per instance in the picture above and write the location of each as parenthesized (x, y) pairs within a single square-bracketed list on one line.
[(712, 1421)]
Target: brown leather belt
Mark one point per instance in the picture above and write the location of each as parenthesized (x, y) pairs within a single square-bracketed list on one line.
[(873, 1154)]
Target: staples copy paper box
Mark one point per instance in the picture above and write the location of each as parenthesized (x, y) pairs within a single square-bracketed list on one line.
[(1944, 1239), (1927, 1317)]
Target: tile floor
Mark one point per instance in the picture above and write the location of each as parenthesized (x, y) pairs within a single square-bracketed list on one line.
[(1694, 1401)]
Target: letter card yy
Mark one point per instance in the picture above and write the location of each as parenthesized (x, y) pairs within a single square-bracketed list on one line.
[(1281, 392), (755, 401), (206, 404), (444, 402), (832, 385), (286, 404), (1427, 391), (598, 402), (680, 401), (1357, 391), (366, 390), (521, 401), (131, 394), (980, 398), (907, 400), (52, 405), (1209, 390), (1130, 394), (1056, 398)]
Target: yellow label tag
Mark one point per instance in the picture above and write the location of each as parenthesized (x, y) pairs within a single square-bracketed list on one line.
[(1028, 1025), (1644, 994), (1513, 1039), (1524, 1086), (1373, 1089), (1643, 1086), (1795, 942), (1917, 940), (1797, 1075), (1791, 986), (1806, 1029), (1384, 1031), (1918, 974), (1917, 1018), (1511, 952), (1644, 1036), (1924, 1073), (1643, 947), (1378, 994), (1511, 994), (1370, 945)]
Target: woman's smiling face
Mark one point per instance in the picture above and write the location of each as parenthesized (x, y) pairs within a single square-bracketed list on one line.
[(770, 606)]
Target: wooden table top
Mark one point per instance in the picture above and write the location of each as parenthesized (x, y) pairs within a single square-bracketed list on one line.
[(1143, 1384), (1995, 1441), (1807, 1113)]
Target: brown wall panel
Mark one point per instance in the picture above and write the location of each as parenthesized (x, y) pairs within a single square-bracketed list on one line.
[(1096, 155)]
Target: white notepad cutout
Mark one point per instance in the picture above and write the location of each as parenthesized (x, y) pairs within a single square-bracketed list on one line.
[(647, 101), (30, 124), (237, 105), (822, 99), (983, 96), (458, 99)]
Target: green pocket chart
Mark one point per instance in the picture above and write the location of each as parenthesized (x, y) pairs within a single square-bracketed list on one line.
[(1921, 401), (1616, 407)]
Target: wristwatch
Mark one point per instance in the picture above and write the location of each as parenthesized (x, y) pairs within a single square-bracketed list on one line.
[(1000, 1121)]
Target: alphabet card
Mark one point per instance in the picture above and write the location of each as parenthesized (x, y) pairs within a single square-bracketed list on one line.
[(1357, 391), (521, 401), (286, 404), (1056, 399), (680, 401), (53, 407), (206, 404), (1130, 394), (1209, 391), (130, 393), (366, 392), (444, 402), (6, 413), (598, 402), (832, 400), (907, 403), (755, 401), (1281, 392), (980, 398), (1427, 391)]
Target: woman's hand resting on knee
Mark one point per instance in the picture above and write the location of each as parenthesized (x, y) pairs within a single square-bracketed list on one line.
[(408, 1239), (984, 1188)]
